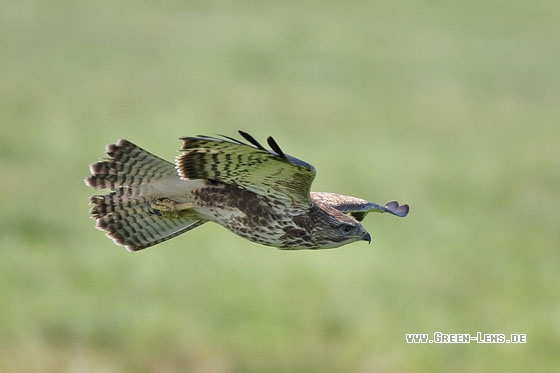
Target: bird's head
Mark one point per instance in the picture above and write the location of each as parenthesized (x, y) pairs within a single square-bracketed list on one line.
[(334, 229)]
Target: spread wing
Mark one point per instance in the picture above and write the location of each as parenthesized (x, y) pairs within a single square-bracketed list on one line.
[(356, 207), (248, 166)]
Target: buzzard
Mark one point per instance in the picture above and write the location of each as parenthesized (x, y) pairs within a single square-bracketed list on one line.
[(260, 194)]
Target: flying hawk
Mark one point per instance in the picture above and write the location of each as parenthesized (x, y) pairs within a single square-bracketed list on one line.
[(259, 194)]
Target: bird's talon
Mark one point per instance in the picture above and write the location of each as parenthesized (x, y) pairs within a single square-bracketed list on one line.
[(169, 208)]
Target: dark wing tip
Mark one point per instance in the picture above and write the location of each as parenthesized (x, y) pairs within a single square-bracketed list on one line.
[(276, 150), (394, 208), (252, 140), (274, 146)]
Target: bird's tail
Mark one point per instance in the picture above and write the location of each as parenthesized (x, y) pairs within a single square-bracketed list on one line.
[(135, 178)]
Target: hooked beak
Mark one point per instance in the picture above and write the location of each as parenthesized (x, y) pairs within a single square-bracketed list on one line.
[(366, 237)]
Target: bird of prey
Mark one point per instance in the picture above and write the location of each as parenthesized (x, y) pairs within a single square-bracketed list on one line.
[(260, 194)]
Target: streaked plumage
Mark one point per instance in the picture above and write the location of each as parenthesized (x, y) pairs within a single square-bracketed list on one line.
[(259, 194)]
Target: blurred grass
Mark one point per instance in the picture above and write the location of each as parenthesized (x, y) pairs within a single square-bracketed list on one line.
[(450, 106)]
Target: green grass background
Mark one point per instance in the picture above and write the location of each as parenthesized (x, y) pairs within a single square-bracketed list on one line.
[(453, 107)]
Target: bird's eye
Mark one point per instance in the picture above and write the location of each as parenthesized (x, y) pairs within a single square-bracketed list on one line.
[(346, 228)]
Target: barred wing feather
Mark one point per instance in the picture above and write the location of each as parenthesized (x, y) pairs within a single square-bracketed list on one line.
[(248, 166)]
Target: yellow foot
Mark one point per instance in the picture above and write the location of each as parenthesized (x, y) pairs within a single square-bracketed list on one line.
[(168, 208)]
